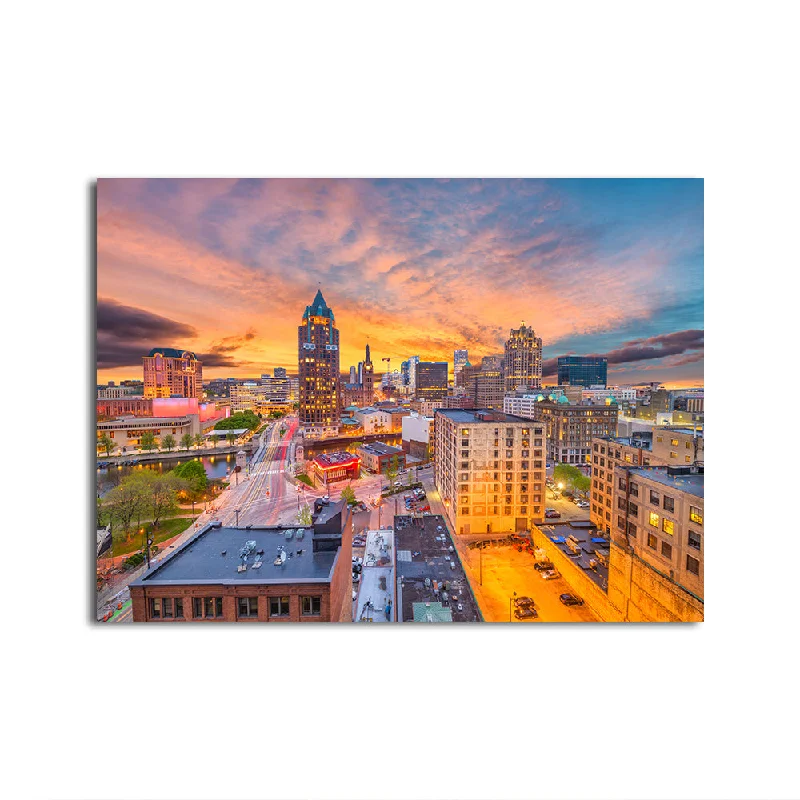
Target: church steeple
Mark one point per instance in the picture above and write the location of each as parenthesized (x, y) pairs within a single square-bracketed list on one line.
[(367, 360)]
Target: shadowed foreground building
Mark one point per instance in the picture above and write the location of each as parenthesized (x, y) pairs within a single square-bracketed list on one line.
[(203, 580)]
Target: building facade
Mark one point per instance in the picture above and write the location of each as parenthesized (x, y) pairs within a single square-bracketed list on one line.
[(570, 428), (484, 387), (490, 470), (523, 360), (223, 575), (657, 544), (460, 360), (318, 365), (612, 455), (172, 373), (678, 447), (431, 380), (373, 420), (418, 436), (583, 371)]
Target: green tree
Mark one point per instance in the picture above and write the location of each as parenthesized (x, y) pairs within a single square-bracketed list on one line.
[(392, 468), (198, 440), (231, 437), (148, 441), (567, 475), (168, 442), (582, 483), (214, 439), (107, 443), (349, 495), (304, 515), (127, 501), (186, 441), (161, 492), (241, 419), (195, 476)]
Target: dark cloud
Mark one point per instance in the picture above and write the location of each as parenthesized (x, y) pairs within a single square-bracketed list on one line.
[(668, 344), (127, 322), (218, 354), (126, 333)]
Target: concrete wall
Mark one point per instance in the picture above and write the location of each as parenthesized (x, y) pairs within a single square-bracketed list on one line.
[(645, 595)]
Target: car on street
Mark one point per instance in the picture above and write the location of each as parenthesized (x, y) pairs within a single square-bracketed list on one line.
[(526, 612), (520, 602), (550, 575), (543, 566), (551, 513), (571, 600), (582, 504)]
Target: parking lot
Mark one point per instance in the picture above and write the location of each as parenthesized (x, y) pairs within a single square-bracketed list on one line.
[(505, 571)]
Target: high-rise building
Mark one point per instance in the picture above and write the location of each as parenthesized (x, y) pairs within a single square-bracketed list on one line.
[(460, 360), (368, 379), (172, 373), (353, 375), (489, 470), (523, 359), (318, 366), (583, 371), (279, 372), (413, 363), (484, 386), (431, 380)]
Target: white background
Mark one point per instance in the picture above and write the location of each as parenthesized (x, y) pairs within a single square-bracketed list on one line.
[(416, 89)]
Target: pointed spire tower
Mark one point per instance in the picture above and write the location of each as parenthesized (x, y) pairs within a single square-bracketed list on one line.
[(368, 379)]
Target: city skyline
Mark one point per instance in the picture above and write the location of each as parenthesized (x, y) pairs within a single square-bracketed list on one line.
[(413, 267)]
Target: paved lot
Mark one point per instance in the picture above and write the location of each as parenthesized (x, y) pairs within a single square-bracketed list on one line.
[(506, 571)]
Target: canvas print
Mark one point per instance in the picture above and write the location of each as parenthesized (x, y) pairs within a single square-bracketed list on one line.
[(399, 400)]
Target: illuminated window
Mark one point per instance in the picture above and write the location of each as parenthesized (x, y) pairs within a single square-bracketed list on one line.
[(652, 542), (667, 526), (653, 519), (696, 514)]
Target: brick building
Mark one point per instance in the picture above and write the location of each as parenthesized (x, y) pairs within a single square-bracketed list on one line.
[(377, 456), (203, 580), (571, 428)]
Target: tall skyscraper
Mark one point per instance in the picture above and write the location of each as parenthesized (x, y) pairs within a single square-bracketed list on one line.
[(460, 360), (583, 371), (172, 373), (413, 363), (353, 375), (523, 359), (318, 367), (368, 379)]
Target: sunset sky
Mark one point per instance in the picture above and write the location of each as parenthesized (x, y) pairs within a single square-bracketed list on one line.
[(225, 268)]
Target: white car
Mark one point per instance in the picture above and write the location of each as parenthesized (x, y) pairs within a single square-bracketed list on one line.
[(550, 575)]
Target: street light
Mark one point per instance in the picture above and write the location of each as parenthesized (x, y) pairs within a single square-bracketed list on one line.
[(236, 511)]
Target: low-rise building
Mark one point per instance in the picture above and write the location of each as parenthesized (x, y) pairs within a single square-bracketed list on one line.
[(377, 456), (333, 467), (127, 432), (678, 446), (373, 420), (264, 574), (418, 436), (490, 470)]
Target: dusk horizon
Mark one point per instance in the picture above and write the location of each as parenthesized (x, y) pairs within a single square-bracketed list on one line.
[(225, 269)]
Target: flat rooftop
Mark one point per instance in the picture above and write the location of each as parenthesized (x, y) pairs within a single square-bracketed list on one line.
[(212, 557), (424, 551), (332, 459), (691, 483), (473, 415), (381, 449), (588, 550), (375, 602)]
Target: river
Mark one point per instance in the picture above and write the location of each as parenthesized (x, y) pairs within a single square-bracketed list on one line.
[(215, 467)]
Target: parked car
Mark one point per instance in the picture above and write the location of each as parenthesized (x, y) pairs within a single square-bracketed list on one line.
[(526, 612), (551, 513), (550, 575), (543, 566), (520, 602), (571, 600)]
